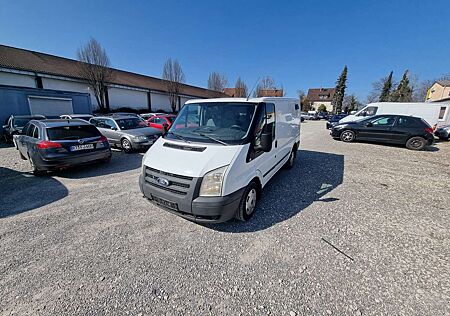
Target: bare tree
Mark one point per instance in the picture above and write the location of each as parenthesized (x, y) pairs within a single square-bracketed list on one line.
[(266, 83), (174, 76), (377, 88), (94, 67), (240, 88), (217, 81), (304, 103)]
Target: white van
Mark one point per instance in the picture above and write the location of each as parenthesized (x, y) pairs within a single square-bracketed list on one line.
[(436, 114), (218, 154)]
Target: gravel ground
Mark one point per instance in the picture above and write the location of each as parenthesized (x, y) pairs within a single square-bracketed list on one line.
[(352, 229)]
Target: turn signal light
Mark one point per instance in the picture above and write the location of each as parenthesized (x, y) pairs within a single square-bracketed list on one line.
[(45, 144)]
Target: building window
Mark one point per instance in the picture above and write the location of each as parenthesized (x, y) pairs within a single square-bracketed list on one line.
[(39, 84), (442, 112)]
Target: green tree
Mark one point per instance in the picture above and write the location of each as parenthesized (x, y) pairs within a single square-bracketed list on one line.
[(403, 92), (322, 108), (339, 93), (387, 87), (353, 106)]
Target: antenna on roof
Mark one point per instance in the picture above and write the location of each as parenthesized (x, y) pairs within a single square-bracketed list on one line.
[(257, 80)]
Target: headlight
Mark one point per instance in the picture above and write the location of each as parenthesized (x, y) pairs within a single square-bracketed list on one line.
[(212, 182), (140, 138)]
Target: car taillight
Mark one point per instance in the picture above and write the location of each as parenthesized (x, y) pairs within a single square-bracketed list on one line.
[(429, 130), (102, 139), (45, 144)]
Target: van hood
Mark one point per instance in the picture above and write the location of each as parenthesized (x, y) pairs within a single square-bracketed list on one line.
[(188, 162)]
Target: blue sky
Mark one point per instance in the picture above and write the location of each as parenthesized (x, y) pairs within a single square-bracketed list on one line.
[(301, 44)]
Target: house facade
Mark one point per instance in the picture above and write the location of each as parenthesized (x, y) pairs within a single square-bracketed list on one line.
[(439, 91), (319, 96)]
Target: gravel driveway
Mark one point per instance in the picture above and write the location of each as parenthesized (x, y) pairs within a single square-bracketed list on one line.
[(352, 229)]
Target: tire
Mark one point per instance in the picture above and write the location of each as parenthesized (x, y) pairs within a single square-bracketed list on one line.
[(126, 145), (248, 201), (347, 136), (291, 161), (416, 143)]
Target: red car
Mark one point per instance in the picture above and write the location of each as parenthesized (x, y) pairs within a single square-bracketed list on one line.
[(158, 121)]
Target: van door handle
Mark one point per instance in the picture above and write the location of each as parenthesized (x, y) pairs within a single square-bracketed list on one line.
[(276, 144)]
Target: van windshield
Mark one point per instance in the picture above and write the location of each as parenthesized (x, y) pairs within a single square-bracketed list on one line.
[(224, 122)]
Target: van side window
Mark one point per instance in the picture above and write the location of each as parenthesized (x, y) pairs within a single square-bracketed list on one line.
[(265, 121), (442, 112)]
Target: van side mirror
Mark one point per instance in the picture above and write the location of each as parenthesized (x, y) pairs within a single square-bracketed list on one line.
[(364, 113), (266, 142), (5, 126), (369, 124), (113, 128)]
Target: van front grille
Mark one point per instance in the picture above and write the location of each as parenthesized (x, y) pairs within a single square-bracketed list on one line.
[(177, 184)]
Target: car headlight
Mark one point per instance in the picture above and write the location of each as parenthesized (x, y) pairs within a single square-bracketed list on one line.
[(140, 138), (212, 182)]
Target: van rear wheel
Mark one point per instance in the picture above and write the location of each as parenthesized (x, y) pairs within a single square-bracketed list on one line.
[(248, 202), (290, 163)]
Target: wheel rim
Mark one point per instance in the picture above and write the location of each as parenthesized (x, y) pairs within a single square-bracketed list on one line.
[(250, 202), (347, 136), (126, 144), (416, 143)]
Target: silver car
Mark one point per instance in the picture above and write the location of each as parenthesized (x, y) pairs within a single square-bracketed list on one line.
[(443, 132), (128, 132)]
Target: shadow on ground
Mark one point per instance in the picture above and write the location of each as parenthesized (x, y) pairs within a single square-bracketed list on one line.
[(120, 162), (22, 192), (291, 191)]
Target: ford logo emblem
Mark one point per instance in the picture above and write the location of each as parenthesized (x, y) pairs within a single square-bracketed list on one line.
[(163, 181)]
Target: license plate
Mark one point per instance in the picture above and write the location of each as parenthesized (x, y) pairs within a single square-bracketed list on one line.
[(171, 205), (82, 147)]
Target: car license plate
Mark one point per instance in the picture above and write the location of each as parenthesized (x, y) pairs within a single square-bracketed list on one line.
[(171, 205), (82, 147)]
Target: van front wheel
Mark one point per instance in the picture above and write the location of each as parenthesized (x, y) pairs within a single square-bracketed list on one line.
[(248, 202)]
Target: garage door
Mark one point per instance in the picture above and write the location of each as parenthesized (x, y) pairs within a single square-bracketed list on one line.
[(50, 107)]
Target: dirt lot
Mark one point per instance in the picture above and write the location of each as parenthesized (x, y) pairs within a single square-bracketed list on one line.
[(85, 242)]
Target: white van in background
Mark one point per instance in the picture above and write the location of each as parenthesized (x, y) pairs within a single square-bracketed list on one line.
[(217, 156), (436, 114)]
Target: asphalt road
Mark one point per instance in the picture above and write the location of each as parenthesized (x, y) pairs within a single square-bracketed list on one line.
[(352, 229)]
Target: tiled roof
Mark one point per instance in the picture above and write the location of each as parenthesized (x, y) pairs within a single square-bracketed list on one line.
[(21, 59), (320, 94), (444, 83)]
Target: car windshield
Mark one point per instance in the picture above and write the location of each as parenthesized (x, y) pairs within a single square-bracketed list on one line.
[(218, 122), (131, 123), (72, 132)]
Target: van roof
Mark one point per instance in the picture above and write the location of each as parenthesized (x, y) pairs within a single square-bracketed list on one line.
[(241, 100)]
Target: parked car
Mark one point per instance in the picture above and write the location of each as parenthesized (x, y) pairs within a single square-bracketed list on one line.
[(307, 116), (146, 116), (128, 132), (15, 123), (443, 132), (158, 121), (58, 144), (413, 132), (322, 115), (85, 117), (218, 155), (334, 120)]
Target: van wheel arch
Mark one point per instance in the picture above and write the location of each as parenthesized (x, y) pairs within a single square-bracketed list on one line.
[(251, 194)]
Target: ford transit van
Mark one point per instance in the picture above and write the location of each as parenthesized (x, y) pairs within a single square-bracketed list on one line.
[(214, 161)]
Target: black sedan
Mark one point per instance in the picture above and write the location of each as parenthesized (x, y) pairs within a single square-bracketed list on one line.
[(58, 144), (334, 120), (443, 132), (413, 132), (15, 123)]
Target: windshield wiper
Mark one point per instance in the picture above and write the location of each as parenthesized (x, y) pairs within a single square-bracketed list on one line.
[(178, 136), (212, 138)]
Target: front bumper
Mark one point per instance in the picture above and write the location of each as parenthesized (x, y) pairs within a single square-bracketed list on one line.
[(191, 206)]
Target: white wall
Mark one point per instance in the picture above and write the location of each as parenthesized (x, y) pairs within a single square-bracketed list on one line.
[(65, 85), (11, 79), (160, 102), (127, 98)]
